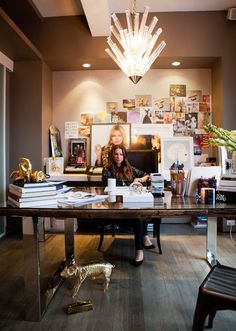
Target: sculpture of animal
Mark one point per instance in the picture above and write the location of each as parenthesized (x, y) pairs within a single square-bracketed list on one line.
[(25, 173), (87, 271)]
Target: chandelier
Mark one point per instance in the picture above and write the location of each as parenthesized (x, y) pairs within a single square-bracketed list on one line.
[(134, 53)]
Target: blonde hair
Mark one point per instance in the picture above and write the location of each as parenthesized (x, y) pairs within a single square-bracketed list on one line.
[(122, 132)]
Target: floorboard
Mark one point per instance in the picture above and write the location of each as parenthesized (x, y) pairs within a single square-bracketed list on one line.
[(160, 295)]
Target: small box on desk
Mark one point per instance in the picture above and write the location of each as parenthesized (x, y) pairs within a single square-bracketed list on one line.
[(222, 225)]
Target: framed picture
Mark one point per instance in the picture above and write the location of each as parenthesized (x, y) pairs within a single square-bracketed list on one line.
[(143, 135), (78, 151), (105, 134), (176, 149)]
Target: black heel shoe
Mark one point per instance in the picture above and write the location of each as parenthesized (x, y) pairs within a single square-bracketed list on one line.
[(137, 263), (149, 246)]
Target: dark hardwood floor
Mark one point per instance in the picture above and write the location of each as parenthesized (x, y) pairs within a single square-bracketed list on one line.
[(160, 295)]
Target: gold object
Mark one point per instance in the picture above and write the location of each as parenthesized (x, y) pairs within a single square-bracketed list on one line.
[(25, 174), (78, 307), (90, 271)]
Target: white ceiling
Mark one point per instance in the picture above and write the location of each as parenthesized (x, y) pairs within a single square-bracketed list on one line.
[(98, 12)]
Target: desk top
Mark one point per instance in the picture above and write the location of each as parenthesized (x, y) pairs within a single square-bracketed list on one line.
[(170, 206)]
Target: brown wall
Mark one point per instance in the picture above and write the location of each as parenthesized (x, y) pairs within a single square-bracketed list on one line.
[(28, 122)]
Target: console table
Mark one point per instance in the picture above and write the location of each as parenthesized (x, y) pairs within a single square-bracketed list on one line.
[(36, 301)]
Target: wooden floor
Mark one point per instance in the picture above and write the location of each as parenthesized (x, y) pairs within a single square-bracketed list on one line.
[(160, 295)]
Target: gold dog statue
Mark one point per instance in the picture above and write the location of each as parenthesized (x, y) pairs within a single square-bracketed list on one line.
[(25, 173), (87, 271)]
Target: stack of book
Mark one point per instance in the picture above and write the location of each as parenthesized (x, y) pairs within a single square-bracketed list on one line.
[(199, 222), (226, 191), (35, 194)]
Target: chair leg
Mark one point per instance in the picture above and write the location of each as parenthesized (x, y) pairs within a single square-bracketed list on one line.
[(157, 225), (201, 313), (211, 319), (101, 237)]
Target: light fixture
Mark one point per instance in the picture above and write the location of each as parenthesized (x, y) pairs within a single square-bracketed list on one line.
[(86, 65), (134, 52), (175, 63)]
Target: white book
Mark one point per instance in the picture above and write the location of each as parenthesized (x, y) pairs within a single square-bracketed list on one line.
[(32, 194), (32, 189), (43, 184), (48, 202)]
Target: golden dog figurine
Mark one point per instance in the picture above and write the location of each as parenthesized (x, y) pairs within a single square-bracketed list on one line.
[(90, 271), (25, 173)]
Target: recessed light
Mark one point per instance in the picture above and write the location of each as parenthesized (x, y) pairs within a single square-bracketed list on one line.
[(175, 63), (86, 65)]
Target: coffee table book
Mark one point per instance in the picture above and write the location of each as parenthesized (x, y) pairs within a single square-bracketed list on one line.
[(34, 187), (48, 202)]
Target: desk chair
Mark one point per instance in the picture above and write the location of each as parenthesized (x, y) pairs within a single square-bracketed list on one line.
[(217, 292), (156, 232)]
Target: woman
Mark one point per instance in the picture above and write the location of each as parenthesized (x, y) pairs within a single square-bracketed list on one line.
[(125, 174), (117, 137)]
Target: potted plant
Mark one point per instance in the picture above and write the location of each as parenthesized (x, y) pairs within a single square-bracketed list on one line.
[(223, 137)]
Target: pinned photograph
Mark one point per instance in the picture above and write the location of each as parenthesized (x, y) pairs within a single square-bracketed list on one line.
[(111, 106), (86, 118), (177, 90), (162, 103), (133, 116), (143, 100), (146, 115), (102, 117), (192, 107), (128, 103), (194, 95)]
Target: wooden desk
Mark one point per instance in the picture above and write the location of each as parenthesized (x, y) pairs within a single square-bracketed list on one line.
[(36, 301)]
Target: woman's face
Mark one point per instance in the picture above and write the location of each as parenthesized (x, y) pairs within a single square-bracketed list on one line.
[(118, 157), (116, 138)]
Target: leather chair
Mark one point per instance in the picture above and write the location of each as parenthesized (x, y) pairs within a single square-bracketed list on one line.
[(217, 292)]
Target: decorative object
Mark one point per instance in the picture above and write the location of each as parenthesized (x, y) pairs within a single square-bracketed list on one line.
[(54, 166), (134, 52), (55, 140), (225, 138), (176, 149), (25, 173), (87, 271)]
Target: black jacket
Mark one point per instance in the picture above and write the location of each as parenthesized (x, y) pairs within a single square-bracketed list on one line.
[(110, 173)]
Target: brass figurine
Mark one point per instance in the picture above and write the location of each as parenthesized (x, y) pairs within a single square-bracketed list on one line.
[(90, 270), (25, 174)]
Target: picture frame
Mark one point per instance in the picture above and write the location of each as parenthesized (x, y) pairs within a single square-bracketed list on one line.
[(100, 135), (78, 151), (146, 131), (176, 149)]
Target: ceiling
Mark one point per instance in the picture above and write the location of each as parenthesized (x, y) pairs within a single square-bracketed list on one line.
[(104, 8), (44, 22)]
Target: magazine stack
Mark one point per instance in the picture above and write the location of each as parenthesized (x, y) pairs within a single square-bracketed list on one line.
[(226, 191), (35, 194)]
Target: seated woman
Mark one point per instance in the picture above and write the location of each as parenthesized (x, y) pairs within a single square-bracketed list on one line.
[(125, 174)]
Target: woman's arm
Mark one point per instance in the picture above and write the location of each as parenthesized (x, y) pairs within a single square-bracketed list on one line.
[(139, 176)]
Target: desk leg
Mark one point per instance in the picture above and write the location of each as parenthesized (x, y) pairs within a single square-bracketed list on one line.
[(211, 241), (69, 239), (31, 269)]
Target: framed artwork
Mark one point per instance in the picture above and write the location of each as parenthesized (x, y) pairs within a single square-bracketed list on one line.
[(176, 149), (79, 151), (55, 141), (148, 131), (106, 134)]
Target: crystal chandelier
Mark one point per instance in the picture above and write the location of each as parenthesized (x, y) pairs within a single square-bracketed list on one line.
[(135, 52)]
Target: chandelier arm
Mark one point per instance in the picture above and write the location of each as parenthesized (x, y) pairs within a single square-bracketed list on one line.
[(129, 21), (153, 24), (116, 22), (156, 53), (144, 18), (152, 43), (116, 34), (136, 25)]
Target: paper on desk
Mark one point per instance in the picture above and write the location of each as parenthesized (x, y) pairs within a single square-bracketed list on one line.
[(79, 198)]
